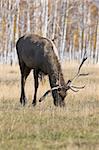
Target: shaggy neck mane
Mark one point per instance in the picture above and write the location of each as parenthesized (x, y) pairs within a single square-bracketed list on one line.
[(59, 73), (54, 48), (56, 74)]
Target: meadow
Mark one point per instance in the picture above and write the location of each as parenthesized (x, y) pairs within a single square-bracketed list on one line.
[(46, 127)]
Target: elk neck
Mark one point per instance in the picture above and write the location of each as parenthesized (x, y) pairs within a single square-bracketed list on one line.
[(56, 77)]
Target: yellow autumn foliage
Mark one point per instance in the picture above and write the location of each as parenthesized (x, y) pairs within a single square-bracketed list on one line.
[(76, 39), (3, 25)]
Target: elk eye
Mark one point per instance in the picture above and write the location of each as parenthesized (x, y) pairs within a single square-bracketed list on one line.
[(59, 89)]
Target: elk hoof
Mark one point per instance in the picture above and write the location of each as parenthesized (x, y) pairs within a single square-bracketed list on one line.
[(34, 104), (23, 101)]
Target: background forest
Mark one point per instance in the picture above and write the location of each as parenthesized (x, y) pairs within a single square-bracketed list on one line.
[(74, 24)]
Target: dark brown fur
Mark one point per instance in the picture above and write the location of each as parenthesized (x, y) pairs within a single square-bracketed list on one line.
[(36, 52)]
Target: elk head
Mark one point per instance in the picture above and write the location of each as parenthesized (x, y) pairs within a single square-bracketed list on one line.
[(62, 89)]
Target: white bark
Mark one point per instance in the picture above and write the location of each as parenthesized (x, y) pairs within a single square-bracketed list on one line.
[(54, 18), (28, 18), (63, 27), (97, 42), (44, 17)]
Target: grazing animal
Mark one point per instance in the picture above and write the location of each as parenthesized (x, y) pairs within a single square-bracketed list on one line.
[(38, 53)]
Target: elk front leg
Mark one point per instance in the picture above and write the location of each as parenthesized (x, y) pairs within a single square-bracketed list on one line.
[(35, 85), (22, 97), (24, 76)]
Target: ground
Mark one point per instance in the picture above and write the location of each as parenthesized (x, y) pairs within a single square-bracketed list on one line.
[(45, 127)]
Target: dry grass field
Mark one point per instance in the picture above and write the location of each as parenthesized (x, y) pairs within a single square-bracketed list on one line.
[(45, 127)]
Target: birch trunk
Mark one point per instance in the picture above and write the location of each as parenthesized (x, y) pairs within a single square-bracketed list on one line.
[(97, 42), (44, 17)]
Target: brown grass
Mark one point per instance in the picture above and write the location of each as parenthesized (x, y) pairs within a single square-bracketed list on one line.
[(75, 127)]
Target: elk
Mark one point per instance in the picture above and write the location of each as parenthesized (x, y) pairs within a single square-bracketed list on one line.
[(38, 53)]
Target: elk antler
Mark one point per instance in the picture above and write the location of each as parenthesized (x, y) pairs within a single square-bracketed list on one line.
[(77, 88), (69, 85), (78, 73), (49, 91)]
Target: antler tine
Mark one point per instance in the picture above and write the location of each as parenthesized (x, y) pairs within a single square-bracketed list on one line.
[(74, 90), (78, 87), (82, 62), (49, 91), (42, 98)]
